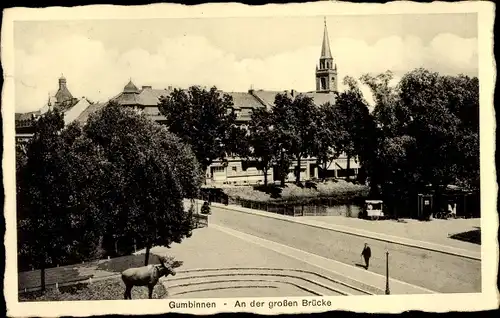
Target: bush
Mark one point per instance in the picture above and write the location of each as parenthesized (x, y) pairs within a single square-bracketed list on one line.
[(272, 189), (110, 289), (338, 192), (311, 185)]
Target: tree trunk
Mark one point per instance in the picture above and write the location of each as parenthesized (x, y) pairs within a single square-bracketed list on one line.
[(265, 169), (348, 167), (282, 168), (374, 193), (204, 172), (297, 168), (42, 277), (146, 258), (323, 173)]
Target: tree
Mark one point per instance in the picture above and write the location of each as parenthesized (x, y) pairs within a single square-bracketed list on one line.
[(353, 114), (41, 197), (425, 137), (325, 144), (204, 119), (282, 119), (295, 123), (147, 177), (388, 111), (262, 140)]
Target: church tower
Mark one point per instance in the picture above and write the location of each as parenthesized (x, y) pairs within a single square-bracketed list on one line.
[(64, 99), (326, 71)]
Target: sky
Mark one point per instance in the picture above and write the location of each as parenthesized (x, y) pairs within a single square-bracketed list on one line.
[(98, 57)]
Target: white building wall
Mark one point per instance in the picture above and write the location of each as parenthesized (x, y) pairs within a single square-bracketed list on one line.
[(71, 114)]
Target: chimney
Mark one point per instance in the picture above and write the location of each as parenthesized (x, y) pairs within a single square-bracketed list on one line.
[(169, 88), (292, 92)]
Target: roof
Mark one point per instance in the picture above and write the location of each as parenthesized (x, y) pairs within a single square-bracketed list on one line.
[(266, 97), (151, 97), (130, 88), (127, 99), (325, 47), (244, 100), (74, 112), (92, 108), (63, 94), (321, 98), (26, 116)]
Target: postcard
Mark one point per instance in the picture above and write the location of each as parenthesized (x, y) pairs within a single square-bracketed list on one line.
[(267, 159)]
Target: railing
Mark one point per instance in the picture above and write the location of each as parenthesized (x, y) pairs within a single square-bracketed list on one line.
[(285, 209), (200, 220)]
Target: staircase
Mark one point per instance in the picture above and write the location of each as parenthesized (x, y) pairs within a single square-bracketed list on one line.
[(265, 282)]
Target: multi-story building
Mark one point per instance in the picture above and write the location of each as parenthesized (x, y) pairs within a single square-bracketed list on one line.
[(235, 170), (63, 100)]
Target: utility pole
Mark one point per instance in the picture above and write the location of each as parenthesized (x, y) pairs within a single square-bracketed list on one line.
[(387, 291)]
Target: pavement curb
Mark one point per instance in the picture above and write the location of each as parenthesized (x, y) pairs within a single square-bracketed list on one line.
[(362, 233)]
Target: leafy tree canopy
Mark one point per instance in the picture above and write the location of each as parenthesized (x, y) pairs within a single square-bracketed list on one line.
[(204, 119)]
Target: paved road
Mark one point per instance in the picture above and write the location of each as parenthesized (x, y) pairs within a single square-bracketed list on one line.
[(432, 270)]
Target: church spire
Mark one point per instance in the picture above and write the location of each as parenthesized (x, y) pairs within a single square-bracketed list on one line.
[(325, 48), (326, 71)]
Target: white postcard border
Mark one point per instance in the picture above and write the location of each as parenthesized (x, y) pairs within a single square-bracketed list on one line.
[(488, 299)]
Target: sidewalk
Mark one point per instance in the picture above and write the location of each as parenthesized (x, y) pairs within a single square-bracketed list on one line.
[(435, 231), (380, 235)]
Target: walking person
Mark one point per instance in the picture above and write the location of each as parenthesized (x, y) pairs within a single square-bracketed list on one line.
[(366, 254)]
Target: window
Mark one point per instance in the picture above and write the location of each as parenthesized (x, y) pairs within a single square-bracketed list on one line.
[(323, 83), (217, 169), (235, 169)]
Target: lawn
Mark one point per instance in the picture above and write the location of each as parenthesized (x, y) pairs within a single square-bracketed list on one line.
[(473, 236), (110, 289), (340, 190), (119, 264)]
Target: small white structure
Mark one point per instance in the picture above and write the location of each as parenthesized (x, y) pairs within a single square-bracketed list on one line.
[(374, 209)]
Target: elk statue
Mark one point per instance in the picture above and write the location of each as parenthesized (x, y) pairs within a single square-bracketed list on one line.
[(148, 275)]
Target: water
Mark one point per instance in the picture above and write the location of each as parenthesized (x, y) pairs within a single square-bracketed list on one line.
[(347, 210)]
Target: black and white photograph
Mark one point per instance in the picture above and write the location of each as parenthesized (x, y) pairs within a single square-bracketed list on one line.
[(257, 160)]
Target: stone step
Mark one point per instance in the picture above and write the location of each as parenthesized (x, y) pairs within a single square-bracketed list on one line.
[(189, 281), (238, 288)]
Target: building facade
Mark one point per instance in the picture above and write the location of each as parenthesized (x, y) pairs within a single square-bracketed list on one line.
[(233, 171), (63, 100), (236, 171)]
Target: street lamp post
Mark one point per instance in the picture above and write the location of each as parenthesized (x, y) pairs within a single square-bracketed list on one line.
[(387, 291)]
